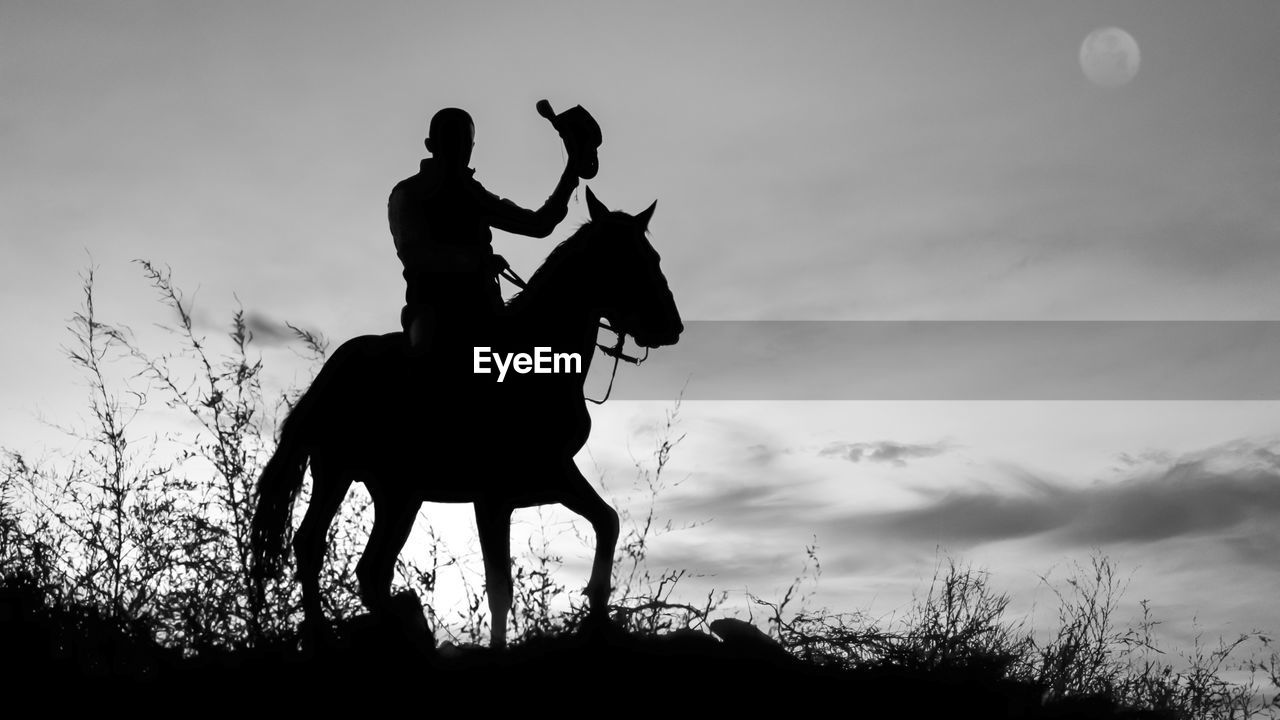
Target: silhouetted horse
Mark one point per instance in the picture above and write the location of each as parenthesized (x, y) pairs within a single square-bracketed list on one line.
[(436, 431)]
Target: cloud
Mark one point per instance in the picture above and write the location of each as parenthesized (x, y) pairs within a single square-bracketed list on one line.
[(762, 454), (268, 331), (1214, 507), (754, 505), (1129, 461), (1188, 499), (884, 451), (1230, 492)]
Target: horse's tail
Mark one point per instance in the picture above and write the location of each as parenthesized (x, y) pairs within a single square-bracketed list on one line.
[(278, 487), (281, 479)]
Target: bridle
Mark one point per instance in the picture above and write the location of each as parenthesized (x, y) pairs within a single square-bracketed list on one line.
[(614, 351)]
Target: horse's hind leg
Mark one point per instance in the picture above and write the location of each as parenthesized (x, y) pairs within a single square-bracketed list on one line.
[(393, 514), (328, 488)]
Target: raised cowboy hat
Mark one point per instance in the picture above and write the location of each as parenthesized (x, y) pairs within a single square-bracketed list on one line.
[(581, 135)]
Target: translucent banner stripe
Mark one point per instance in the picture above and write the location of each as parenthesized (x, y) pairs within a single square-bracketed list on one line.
[(958, 360)]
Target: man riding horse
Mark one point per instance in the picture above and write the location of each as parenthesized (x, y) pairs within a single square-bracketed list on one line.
[(371, 415), (441, 218)]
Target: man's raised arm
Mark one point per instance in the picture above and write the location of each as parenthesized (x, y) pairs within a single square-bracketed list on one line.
[(506, 215)]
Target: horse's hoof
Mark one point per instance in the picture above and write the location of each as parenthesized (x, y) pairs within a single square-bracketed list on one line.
[(407, 608), (598, 628), (315, 637), (404, 611)]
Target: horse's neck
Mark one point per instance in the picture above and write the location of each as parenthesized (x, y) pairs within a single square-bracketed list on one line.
[(558, 312), (574, 333)]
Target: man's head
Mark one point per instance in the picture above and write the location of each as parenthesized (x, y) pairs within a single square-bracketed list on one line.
[(451, 137)]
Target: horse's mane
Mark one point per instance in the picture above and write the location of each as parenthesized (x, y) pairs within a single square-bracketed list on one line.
[(559, 256)]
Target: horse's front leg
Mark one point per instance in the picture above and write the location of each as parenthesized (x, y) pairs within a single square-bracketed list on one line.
[(583, 499), (494, 525)]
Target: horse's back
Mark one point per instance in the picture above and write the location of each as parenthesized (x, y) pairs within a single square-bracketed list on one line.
[(382, 403)]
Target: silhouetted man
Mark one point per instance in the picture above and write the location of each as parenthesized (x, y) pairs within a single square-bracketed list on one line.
[(441, 218)]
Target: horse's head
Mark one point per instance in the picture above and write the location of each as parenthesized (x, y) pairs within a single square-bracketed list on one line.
[(633, 292)]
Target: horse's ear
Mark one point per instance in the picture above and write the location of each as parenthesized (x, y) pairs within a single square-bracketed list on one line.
[(646, 215), (595, 208)]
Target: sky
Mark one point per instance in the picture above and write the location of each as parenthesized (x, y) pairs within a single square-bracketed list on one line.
[(841, 161)]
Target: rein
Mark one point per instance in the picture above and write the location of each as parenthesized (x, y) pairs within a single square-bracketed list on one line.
[(614, 351)]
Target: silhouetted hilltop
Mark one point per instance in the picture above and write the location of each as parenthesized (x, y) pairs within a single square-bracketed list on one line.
[(54, 651)]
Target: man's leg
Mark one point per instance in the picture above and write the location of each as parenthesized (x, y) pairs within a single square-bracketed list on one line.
[(420, 326)]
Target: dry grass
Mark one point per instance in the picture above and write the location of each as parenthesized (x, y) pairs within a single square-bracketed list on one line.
[(153, 545)]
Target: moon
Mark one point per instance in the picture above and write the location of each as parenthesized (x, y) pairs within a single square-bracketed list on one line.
[(1109, 57)]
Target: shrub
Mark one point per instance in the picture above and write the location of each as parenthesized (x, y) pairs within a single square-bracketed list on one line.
[(135, 548)]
